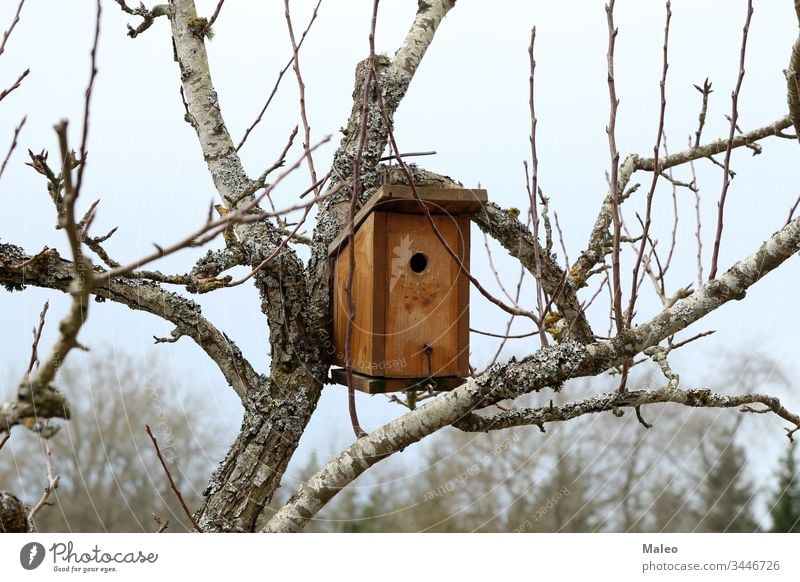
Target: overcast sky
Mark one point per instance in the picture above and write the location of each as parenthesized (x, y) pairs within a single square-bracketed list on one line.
[(469, 102)]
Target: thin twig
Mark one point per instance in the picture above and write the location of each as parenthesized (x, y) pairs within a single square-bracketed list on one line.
[(13, 145), (37, 335), (171, 480), (726, 178), (354, 197), (407, 155), (495, 273), (600, 287), (10, 29), (510, 321), (706, 91), (504, 336), (301, 87), (52, 484), (280, 247), (533, 187), (698, 225), (214, 16), (616, 278), (680, 344), (453, 254), (162, 526), (641, 419), (656, 173), (87, 102), (261, 181), (277, 84), (792, 210), (561, 240), (148, 16), (15, 85), (675, 219), (212, 229)]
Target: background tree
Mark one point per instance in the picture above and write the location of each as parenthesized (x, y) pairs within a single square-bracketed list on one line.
[(724, 494), (109, 476), (687, 473), (621, 262), (784, 507)]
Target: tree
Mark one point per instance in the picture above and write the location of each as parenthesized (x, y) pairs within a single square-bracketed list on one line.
[(725, 495), (621, 254), (785, 505)]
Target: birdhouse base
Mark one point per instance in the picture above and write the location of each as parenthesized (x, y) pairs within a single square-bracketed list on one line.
[(378, 385)]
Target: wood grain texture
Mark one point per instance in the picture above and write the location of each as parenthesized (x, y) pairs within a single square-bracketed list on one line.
[(365, 352), (462, 355), (423, 307)]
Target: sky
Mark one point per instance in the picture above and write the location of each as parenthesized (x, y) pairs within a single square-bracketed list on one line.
[(468, 102)]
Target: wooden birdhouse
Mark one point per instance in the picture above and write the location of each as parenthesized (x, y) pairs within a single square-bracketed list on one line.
[(410, 290)]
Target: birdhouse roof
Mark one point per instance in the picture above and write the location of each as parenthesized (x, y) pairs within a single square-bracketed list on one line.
[(402, 199)]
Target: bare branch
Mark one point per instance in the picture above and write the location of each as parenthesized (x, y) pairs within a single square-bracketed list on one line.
[(242, 216), (351, 212), (15, 85), (48, 270), (36, 398), (148, 16), (52, 484), (11, 27), (792, 210), (37, 335), (726, 178), (13, 145), (278, 80), (698, 226), (715, 147), (656, 171), (87, 101), (519, 242), (607, 401), (215, 15), (706, 91), (533, 188), (504, 336), (171, 480), (616, 276), (301, 86), (162, 526)]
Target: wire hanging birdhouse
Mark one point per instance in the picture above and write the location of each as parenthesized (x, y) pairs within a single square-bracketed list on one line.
[(410, 290)]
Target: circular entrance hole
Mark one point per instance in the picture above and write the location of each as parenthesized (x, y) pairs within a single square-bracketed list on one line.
[(418, 262)]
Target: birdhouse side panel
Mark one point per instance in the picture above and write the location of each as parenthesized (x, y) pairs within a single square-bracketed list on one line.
[(367, 344), (462, 331), (424, 333)]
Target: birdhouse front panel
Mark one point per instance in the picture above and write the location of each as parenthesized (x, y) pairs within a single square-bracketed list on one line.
[(427, 315), (410, 289)]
